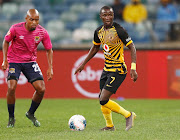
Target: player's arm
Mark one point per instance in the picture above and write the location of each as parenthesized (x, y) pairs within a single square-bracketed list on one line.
[(133, 72), (126, 39), (50, 64), (5, 49), (94, 49), (8, 37), (48, 46)]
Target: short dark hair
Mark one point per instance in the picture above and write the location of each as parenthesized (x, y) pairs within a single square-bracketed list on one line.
[(105, 8)]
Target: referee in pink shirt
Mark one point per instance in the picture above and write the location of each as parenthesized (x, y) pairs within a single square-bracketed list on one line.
[(21, 56)]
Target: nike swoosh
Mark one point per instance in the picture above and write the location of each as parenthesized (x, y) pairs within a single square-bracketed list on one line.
[(108, 85)]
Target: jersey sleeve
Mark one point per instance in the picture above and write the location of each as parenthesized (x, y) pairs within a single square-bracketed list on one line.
[(96, 40), (123, 35), (10, 34), (47, 41)]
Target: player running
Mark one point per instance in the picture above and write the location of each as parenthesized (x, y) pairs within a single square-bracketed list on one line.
[(113, 37), (21, 56)]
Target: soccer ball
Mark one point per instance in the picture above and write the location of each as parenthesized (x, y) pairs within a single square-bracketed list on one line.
[(77, 123)]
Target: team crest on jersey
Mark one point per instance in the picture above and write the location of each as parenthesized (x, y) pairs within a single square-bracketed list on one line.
[(106, 47), (110, 37), (37, 38), (12, 70)]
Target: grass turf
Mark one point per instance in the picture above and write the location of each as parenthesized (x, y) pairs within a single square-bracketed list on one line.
[(156, 120)]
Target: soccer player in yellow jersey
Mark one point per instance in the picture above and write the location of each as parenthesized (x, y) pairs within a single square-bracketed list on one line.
[(113, 38)]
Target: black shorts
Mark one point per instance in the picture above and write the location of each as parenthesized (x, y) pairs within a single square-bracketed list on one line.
[(30, 70), (111, 80)]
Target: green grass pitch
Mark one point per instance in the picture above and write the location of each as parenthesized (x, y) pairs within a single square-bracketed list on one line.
[(156, 120)]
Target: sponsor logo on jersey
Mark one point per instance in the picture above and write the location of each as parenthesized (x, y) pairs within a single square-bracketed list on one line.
[(12, 70), (106, 47), (107, 53), (128, 39)]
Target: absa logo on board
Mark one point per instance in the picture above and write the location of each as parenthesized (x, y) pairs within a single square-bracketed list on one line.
[(87, 81)]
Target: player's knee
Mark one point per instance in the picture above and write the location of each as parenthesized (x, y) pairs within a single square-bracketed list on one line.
[(103, 102), (11, 89), (41, 90)]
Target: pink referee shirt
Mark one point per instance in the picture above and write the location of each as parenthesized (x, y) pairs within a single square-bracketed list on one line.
[(23, 48)]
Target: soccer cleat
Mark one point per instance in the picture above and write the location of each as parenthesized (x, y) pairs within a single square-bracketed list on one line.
[(108, 128), (11, 122), (33, 119), (130, 121)]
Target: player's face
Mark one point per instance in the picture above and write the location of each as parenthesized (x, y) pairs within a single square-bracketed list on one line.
[(107, 16), (32, 22)]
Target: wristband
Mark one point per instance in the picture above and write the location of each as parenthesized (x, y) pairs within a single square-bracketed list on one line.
[(133, 66)]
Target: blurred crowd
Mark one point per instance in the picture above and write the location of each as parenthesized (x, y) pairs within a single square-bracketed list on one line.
[(74, 21)]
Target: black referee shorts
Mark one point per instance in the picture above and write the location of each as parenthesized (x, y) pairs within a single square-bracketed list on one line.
[(111, 80)]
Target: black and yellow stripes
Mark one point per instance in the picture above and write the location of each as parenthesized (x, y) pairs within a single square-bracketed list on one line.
[(113, 41)]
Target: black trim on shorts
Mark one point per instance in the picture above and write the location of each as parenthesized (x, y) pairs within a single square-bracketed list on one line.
[(11, 77), (33, 80)]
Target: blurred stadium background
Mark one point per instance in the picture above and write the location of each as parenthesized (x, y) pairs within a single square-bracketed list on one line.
[(71, 23)]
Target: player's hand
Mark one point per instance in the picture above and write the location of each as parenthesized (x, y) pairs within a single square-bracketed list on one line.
[(5, 65), (79, 69), (134, 75), (49, 74)]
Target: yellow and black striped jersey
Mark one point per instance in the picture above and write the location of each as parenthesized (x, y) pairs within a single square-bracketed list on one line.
[(113, 41)]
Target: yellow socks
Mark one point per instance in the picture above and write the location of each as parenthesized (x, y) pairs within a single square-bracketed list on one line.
[(107, 116), (113, 106)]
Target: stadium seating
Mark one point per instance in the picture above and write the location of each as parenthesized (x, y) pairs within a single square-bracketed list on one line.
[(3, 17), (82, 34), (59, 8), (90, 24), (23, 7), (69, 18), (55, 25), (78, 7), (161, 29), (85, 16), (9, 9), (47, 17), (19, 16)]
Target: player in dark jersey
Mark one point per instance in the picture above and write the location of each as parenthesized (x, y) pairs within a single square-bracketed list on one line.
[(113, 38), (21, 56)]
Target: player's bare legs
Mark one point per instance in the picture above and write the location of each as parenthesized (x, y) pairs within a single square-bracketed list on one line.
[(39, 86), (105, 95), (113, 106), (12, 84)]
